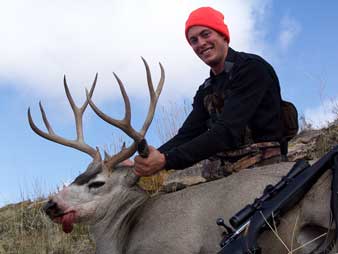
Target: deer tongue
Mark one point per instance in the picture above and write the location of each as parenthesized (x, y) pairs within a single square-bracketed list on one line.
[(67, 222)]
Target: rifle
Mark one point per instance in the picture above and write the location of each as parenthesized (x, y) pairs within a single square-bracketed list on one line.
[(276, 200)]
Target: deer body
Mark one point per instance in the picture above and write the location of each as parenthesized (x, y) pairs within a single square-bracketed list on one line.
[(123, 219), (129, 221)]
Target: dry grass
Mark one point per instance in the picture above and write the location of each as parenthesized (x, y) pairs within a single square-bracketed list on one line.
[(304, 125), (293, 248), (327, 140), (25, 229), (170, 118)]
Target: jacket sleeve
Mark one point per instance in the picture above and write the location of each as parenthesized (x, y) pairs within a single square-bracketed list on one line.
[(248, 87), (193, 126)]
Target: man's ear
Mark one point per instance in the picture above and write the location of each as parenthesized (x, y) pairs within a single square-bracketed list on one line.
[(226, 42)]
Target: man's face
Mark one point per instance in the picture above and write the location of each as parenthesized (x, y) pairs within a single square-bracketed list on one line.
[(209, 45)]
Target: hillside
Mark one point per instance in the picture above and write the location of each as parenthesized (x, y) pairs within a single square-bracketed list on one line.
[(25, 229)]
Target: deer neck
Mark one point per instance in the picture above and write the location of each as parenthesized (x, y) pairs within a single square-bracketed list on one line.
[(111, 232)]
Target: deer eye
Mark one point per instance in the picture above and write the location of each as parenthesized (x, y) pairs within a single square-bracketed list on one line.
[(95, 185)]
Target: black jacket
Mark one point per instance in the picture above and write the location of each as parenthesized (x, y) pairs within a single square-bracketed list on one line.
[(244, 98)]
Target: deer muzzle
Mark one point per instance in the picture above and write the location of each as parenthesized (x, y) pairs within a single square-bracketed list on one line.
[(52, 210)]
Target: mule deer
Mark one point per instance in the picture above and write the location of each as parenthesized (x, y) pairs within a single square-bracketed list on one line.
[(125, 219)]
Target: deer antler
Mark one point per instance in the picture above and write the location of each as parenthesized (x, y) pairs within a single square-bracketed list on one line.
[(79, 143), (125, 124)]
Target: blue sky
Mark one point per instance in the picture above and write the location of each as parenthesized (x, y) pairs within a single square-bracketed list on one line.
[(42, 41)]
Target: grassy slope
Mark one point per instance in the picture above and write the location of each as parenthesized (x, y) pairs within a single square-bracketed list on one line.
[(24, 228)]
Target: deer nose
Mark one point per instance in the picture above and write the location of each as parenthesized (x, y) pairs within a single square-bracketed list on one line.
[(51, 209)]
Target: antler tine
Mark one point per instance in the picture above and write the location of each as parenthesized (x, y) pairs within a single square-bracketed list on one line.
[(70, 98), (60, 140), (45, 120), (127, 113), (123, 124), (78, 111), (36, 129), (85, 104), (79, 143), (124, 154), (153, 95)]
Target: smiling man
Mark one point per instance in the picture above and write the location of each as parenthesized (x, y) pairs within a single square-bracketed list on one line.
[(236, 111)]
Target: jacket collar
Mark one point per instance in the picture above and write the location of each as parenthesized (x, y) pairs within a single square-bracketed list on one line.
[(229, 62)]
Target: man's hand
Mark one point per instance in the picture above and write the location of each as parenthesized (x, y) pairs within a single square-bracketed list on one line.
[(150, 165)]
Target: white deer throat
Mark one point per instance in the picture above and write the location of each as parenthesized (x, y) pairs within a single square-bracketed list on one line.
[(111, 232)]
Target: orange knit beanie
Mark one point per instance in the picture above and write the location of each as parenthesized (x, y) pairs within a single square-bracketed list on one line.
[(209, 17)]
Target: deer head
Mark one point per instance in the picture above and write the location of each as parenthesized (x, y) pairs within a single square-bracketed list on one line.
[(105, 183)]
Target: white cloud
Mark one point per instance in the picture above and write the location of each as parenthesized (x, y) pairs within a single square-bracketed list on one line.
[(42, 40), (320, 116), (290, 28)]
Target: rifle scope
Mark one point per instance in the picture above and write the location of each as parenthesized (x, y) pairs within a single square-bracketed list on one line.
[(244, 214)]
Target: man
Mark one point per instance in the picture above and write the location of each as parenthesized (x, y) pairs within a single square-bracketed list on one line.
[(238, 105)]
